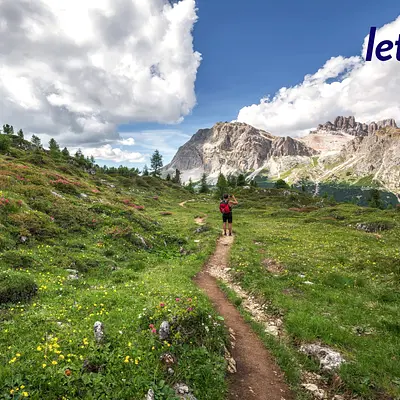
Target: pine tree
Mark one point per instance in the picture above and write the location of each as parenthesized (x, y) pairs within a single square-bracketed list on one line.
[(156, 163), (177, 177), (203, 184), (190, 186), (241, 180), (145, 171), (20, 134), (375, 199), (36, 142), (232, 181), (168, 178), (65, 153), (8, 129), (5, 143), (222, 184), (54, 148)]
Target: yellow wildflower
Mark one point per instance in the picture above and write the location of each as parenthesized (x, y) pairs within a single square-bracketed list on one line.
[(54, 362), (44, 365), (25, 394)]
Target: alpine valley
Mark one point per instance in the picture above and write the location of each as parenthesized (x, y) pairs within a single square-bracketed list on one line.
[(343, 151)]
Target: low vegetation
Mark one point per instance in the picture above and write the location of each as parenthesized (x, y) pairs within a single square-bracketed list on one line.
[(81, 244)]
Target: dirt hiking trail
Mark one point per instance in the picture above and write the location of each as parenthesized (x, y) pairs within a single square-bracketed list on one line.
[(257, 375)]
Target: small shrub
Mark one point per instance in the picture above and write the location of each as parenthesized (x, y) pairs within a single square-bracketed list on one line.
[(15, 259), (16, 286)]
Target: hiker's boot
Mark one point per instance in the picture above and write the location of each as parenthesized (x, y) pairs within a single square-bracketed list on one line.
[(225, 233)]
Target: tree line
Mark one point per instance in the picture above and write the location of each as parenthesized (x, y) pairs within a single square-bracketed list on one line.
[(9, 139)]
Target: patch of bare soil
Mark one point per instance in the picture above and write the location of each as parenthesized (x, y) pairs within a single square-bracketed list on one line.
[(254, 373), (273, 266)]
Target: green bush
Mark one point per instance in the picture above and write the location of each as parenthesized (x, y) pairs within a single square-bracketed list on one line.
[(15, 259), (16, 286)]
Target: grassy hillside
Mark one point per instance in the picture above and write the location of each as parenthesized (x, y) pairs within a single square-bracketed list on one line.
[(77, 248), (332, 274)]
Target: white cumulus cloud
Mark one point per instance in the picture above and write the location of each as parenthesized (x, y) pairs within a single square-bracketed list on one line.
[(127, 142), (109, 153), (343, 86), (76, 69)]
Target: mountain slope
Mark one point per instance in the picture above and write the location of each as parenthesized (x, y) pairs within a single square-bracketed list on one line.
[(232, 148)]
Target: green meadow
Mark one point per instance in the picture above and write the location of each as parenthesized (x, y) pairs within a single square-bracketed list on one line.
[(77, 248)]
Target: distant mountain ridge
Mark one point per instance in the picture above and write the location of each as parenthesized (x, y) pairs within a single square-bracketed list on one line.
[(351, 127), (344, 150)]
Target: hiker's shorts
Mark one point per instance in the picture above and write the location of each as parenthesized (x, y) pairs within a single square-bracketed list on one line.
[(227, 217)]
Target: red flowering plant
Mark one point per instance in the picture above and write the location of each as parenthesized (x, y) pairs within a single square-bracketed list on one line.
[(133, 205), (8, 205)]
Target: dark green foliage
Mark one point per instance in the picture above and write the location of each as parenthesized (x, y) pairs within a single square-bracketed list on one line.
[(18, 259), (241, 180), (145, 171), (281, 184), (5, 143), (375, 199), (232, 181), (177, 177), (222, 185), (16, 286), (36, 141), (156, 163), (203, 184), (189, 187), (8, 129), (54, 149)]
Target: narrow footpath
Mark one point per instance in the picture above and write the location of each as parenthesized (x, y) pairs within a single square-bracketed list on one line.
[(257, 375)]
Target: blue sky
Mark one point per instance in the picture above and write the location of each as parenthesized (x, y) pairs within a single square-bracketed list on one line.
[(251, 49)]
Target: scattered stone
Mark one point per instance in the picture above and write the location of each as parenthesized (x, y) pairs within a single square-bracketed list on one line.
[(315, 390), (230, 361), (196, 241), (168, 359), (150, 395), (183, 392), (182, 251), (328, 358), (164, 330), (337, 397), (73, 277), (181, 388), (170, 371), (98, 332), (301, 276), (202, 229), (142, 240), (57, 195), (308, 283), (23, 239), (83, 195), (272, 330), (372, 227)]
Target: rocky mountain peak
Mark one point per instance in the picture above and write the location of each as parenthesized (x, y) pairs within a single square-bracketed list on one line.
[(348, 125)]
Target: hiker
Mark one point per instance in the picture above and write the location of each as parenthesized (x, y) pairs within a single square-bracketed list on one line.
[(226, 209)]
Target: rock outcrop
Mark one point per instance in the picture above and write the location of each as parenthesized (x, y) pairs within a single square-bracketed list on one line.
[(348, 125)]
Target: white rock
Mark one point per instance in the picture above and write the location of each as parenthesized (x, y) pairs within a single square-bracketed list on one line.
[(328, 358), (315, 390)]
